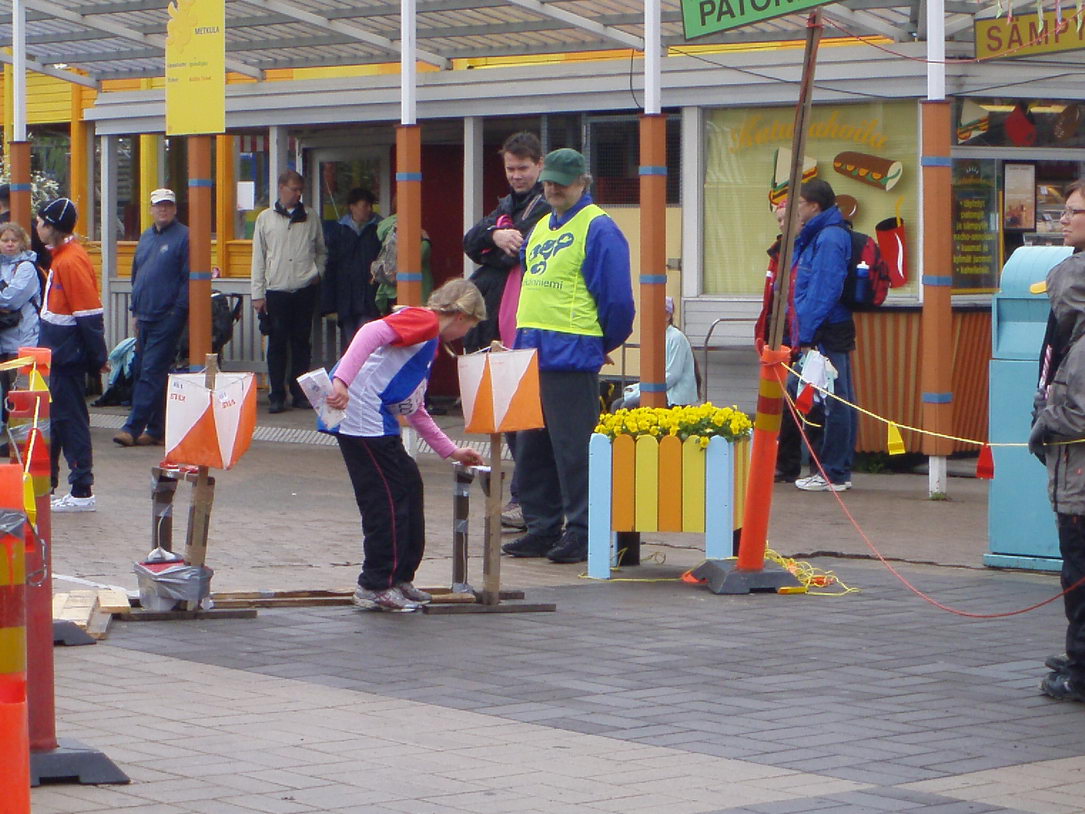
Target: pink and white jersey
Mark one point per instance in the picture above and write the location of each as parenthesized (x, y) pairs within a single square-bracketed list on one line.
[(387, 368)]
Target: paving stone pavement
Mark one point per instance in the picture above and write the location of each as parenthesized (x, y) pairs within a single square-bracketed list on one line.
[(633, 697)]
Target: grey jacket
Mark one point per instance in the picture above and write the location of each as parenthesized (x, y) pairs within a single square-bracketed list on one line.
[(1060, 417)]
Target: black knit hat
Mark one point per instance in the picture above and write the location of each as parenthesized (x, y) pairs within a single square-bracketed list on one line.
[(59, 212)]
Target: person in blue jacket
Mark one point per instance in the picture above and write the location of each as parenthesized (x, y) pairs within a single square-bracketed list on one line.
[(823, 252), (576, 306), (160, 306)]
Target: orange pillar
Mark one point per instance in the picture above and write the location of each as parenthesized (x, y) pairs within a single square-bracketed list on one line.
[(29, 420), (15, 765), (653, 259), (77, 157), (409, 211), (20, 184), (936, 341), (199, 248), (225, 199)]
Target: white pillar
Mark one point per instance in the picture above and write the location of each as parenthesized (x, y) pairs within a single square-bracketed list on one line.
[(936, 92), (693, 178), (652, 46), (277, 141), (472, 180), (18, 65), (407, 70)]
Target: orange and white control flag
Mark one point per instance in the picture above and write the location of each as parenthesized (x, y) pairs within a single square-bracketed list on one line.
[(209, 427), (500, 391)]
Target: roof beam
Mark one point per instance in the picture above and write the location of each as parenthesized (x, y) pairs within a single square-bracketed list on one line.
[(870, 24), (575, 20), (123, 32), (351, 30), (48, 70)]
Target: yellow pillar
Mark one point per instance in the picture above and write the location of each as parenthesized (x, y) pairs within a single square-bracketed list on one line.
[(77, 156), (9, 112), (225, 199), (149, 148)]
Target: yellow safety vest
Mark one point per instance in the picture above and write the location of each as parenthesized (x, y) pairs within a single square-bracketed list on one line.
[(553, 294)]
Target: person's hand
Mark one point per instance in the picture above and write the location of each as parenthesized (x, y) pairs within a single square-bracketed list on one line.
[(106, 368), (466, 456), (340, 396), (259, 306), (1036, 442), (508, 240)]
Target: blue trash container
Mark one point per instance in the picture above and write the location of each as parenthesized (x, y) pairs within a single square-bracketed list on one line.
[(1020, 524)]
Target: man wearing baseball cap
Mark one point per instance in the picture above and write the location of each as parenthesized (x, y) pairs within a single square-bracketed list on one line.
[(576, 306), (160, 307), (72, 328)]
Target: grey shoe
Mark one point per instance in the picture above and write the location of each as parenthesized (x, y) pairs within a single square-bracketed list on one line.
[(1059, 663), (512, 516), (414, 594)]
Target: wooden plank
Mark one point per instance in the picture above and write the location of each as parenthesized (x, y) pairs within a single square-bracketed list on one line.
[(76, 607), (647, 484), (491, 554), (98, 624), (670, 484), (508, 607), (139, 615), (112, 600), (719, 499), (623, 489), (693, 485)]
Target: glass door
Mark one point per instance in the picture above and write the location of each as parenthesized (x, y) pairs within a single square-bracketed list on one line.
[(341, 169)]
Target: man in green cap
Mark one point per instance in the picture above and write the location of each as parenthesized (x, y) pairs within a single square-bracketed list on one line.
[(576, 306)]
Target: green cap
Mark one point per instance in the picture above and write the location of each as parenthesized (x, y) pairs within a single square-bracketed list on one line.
[(563, 166)]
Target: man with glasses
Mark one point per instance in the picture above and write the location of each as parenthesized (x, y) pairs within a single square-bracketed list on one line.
[(288, 257), (1058, 439)]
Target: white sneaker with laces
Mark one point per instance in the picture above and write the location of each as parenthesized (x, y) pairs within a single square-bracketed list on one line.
[(70, 503), (816, 483), (364, 599), (414, 594), (394, 601)]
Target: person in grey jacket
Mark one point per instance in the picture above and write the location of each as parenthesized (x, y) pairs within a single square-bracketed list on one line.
[(1058, 439), (20, 290)]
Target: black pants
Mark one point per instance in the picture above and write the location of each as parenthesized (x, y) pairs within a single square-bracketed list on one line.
[(552, 463), (491, 284), (388, 489), (70, 428), (290, 316), (1072, 547)]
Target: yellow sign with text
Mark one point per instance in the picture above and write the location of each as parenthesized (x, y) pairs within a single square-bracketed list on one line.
[(196, 67), (1023, 36)]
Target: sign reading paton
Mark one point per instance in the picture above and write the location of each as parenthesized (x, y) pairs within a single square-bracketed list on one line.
[(703, 17)]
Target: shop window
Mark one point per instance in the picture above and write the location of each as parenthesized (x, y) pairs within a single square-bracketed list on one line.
[(613, 151), (1022, 123)]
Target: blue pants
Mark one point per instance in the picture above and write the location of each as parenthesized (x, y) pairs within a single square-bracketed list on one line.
[(841, 422), (552, 463), (156, 348), (70, 428)]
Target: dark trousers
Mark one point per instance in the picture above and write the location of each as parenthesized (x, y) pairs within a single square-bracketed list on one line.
[(70, 428), (156, 348), (348, 326), (789, 452), (290, 324), (1072, 548), (491, 284), (388, 489), (552, 463)]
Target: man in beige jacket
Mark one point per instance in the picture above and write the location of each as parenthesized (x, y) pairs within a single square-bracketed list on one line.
[(288, 257)]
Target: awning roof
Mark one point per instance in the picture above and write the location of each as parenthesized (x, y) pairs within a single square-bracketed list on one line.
[(111, 39)]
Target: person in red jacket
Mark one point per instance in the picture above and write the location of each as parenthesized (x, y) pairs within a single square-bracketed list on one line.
[(72, 328)]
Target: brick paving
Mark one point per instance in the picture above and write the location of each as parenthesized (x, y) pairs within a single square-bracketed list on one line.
[(633, 697)]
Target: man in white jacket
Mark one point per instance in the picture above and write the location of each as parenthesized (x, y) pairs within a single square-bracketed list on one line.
[(288, 256)]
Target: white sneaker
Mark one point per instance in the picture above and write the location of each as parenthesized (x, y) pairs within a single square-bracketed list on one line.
[(70, 503), (816, 483), (414, 594), (390, 599), (364, 599)]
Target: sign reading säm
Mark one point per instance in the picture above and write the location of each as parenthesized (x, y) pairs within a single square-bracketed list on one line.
[(703, 17)]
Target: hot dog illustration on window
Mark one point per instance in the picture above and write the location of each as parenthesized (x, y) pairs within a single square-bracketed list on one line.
[(883, 173)]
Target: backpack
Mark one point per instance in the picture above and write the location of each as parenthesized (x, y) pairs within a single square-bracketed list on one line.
[(383, 268), (865, 293)]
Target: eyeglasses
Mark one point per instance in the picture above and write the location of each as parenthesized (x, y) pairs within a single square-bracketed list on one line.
[(1068, 213)]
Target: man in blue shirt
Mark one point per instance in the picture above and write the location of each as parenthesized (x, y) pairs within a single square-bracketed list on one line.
[(160, 306)]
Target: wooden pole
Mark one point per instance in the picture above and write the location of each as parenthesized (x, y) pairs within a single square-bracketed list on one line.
[(755, 523), (653, 260), (199, 513), (491, 556), (409, 214), (20, 184)]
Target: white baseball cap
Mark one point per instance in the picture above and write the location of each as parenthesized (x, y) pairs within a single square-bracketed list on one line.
[(162, 196)]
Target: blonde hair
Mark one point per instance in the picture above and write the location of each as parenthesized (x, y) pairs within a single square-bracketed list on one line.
[(458, 296), (19, 232)]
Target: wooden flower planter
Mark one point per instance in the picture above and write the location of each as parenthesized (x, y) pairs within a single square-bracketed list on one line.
[(643, 484)]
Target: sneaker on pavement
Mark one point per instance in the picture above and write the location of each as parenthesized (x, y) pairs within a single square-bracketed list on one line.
[(530, 545), (1059, 687), (124, 439), (816, 483), (569, 549), (512, 516), (415, 594), (393, 600), (148, 440), (70, 503), (364, 598), (1059, 663)]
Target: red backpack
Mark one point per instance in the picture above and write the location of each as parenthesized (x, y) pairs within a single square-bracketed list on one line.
[(868, 280)]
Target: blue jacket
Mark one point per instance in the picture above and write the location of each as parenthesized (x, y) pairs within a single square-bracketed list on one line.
[(823, 249), (606, 274), (160, 272), (348, 288), (21, 291)]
